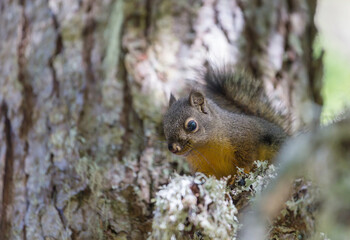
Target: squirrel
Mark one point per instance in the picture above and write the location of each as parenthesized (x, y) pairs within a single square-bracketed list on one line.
[(228, 123)]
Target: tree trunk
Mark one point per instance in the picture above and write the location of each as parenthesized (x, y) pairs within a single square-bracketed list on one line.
[(83, 88)]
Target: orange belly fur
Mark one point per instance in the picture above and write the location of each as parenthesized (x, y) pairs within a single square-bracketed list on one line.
[(218, 159), (214, 159)]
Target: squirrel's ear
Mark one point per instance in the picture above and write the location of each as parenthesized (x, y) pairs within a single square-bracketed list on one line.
[(197, 100), (172, 99)]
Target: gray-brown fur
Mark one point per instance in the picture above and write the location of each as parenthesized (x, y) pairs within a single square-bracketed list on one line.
[(239, 91)]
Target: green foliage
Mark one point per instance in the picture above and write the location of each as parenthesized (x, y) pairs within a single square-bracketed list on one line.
[(336, 86)]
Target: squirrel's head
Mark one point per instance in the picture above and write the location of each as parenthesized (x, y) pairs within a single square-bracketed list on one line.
[(187, 123)]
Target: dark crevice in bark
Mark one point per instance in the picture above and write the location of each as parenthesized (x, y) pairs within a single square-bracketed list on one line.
[(140, 224), (111, 230), (58, 50), (128, 115), (41, 228), (53, 197), (151, 192), (75, 234), (28, 100), (25, 231), (250, 38), (59, 210), (290, 4), (148, 19), (88, 44), (315, 65), (218, 22), (81, 196), (26, 149), (316, 82), (141, 146), (89, 89), (126, 111), (7, 193)]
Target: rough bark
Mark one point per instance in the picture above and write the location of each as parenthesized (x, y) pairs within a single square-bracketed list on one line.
[(83, 88)]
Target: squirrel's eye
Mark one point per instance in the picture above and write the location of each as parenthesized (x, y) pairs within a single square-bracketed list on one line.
[(191, 125)]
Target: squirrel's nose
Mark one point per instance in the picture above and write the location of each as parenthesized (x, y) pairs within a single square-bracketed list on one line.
[(173, 147)]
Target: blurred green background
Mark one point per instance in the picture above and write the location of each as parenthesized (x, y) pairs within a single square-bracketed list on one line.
[(333, 22)]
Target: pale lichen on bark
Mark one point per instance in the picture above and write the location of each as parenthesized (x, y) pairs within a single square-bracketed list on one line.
[(204, 207), (194, 208)]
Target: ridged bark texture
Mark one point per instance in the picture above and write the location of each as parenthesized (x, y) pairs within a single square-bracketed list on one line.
[(83, 88)]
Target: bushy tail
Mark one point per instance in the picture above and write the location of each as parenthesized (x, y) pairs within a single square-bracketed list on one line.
[(246, 93)]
